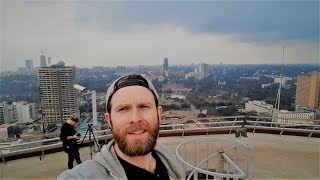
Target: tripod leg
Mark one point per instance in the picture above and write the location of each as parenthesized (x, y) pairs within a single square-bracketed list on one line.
[(90, 131), (95, 140), (84, 136)]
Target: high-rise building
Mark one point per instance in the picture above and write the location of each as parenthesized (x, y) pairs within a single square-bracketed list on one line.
[(203, 71), (5, 113), (308, 91), (121, 69), (58, 97), (22, 111), (43, 62), (29, 65), (2, 112), (165, 65)]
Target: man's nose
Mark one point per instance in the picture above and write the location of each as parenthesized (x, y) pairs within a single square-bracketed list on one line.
[(135, 116)]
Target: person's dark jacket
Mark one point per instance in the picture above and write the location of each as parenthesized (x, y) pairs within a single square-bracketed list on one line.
[(71, 144)]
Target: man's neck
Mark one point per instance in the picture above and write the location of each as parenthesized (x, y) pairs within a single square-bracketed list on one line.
[(146, 162), (70, 122)]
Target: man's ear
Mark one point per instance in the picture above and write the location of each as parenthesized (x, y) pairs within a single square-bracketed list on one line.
[(108, 120), (159, 112)]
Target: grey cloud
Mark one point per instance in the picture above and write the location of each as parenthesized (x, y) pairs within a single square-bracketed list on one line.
[(255, 21)]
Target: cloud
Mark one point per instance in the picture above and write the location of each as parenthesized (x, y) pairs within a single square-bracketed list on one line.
[(98, 33), (263, 21)]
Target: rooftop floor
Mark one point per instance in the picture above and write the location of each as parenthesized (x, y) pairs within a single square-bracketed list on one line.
[(274, 157)]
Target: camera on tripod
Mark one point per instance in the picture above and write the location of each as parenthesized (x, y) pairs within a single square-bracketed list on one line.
[(90, 132)]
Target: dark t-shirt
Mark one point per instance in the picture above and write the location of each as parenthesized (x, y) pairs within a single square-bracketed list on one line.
[(67, 130), (135, 172)]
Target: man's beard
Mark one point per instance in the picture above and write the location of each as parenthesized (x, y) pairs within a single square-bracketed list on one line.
[(137, 147)]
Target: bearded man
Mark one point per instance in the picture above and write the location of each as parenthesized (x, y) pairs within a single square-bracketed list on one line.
[(134, 115)]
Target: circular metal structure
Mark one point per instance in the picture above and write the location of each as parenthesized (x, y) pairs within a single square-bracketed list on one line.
[(219, 165)]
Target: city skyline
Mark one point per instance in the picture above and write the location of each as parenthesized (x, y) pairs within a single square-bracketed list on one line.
[(108, 33)]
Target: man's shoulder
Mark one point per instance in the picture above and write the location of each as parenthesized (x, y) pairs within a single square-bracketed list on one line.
[(64, 125), (89, 169)]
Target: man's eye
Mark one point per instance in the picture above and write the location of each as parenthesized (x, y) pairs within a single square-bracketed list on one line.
[(145, 107), (122, 109)]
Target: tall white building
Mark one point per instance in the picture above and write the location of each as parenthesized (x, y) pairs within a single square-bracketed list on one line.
[(202, 71), (58, 97), (5, 113), (22, 111), (29, 65)]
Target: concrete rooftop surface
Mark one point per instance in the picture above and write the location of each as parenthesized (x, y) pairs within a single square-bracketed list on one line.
[(274, 157)]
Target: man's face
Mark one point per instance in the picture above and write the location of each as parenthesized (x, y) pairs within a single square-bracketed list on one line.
[(134, 119)]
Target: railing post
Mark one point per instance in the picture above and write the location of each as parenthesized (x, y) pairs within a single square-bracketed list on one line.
[(185, 157), (195, 154), (313, 129), (283, 127), (255, 125), (235, 119), (207, 155), (184, 126), (42, 147), (2, 156)]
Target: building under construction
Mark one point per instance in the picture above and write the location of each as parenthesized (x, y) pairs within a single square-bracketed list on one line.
[(58, 97)]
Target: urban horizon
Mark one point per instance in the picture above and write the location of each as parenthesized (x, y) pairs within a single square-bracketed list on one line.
[(23, 64), (108, 33)]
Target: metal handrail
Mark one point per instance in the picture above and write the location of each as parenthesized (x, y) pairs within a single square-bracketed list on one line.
[(180, 127)]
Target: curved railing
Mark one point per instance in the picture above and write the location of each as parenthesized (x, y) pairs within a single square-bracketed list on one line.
[(217, 158)]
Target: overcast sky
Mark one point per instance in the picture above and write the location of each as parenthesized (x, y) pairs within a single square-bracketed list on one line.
[(110, 33)]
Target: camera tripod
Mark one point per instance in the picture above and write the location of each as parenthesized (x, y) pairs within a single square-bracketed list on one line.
[(89, 130)]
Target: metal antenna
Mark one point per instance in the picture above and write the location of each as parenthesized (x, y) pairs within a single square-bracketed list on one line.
[(280, 84)]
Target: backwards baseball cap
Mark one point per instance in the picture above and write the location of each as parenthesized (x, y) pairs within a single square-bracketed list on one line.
[(129, 80)]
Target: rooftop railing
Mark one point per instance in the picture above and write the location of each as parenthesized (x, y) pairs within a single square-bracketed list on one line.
[(180, 127)]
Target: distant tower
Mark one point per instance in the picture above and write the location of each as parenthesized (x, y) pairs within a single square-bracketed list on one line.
[(165, 66), (204, 70), (308, 91), (121, 70), (29, 65), (57, 95), (43, 62)]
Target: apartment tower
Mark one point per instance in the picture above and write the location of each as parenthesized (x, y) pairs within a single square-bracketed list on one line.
[(2, 113), (165, 67), (58, 97), (204, 70), (29, 65), (308, 91), (165, 64)]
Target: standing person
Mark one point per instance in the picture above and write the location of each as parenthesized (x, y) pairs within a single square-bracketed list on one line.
[(134, 115), (69, 139)]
